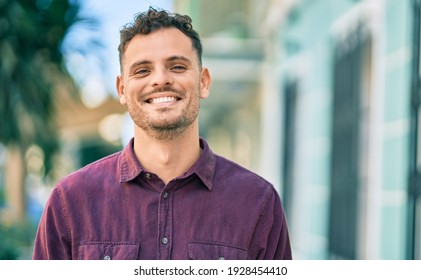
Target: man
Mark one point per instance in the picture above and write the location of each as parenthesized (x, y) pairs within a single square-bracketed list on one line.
[(166, 195)]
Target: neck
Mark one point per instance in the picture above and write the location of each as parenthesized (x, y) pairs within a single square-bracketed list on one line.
[(167, 158)]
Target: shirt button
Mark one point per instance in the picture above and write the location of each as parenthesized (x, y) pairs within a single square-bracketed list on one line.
[(165, 195), (221, 258), (148, 176), (107, 258), (164, 240)]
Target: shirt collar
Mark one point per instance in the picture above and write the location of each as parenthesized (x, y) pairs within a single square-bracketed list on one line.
[(130, 167), (204, 167)]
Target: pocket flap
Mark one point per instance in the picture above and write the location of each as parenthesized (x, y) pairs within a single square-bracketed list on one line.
[(108, 251), (215, 251)]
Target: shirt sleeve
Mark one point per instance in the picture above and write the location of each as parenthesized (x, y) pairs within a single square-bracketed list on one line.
[(52, 241), (271, 238)]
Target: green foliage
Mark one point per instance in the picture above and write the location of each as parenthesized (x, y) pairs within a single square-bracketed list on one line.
[(16, 241), (32, 65), (2, 199)]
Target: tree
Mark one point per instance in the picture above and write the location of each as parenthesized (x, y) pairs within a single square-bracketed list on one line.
[(31, 68)]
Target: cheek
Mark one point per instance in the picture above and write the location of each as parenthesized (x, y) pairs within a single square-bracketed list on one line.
[(133, 92)]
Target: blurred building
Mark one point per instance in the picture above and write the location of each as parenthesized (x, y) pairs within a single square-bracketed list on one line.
[(343, 87)]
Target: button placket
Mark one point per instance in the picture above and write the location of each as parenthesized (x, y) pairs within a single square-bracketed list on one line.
[(165, 224)]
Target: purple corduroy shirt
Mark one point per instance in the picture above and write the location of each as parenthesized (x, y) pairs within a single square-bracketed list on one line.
[(114, 209)]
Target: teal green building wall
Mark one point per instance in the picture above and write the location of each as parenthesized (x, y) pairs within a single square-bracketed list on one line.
[(307, 45), (398, 30)]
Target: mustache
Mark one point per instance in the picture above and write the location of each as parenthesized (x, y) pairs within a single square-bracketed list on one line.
[(164, 89)]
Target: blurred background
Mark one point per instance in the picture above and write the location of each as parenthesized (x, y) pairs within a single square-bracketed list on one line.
[(321, 97)]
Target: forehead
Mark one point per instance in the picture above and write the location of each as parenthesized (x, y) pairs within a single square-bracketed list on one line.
[(159, 45)]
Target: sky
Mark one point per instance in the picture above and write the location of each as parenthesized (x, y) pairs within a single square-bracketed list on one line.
[(96, 66)]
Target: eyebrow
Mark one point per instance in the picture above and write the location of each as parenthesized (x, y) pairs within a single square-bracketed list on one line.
[(179, 57), (139, 63)]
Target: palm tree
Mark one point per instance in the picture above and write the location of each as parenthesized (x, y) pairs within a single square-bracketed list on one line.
[(31, 70)]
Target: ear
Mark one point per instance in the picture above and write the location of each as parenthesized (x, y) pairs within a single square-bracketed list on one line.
[(205, 81), (120, 89)]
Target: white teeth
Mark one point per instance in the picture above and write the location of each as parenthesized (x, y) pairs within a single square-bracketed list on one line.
[(162, 100)]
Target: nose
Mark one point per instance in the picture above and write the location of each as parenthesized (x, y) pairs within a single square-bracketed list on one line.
[(161, 77)]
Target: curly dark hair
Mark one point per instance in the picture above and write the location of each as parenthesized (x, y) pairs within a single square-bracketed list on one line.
[(154, 19)]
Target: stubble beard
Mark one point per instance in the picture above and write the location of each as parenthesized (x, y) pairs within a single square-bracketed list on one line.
[(165, 129)]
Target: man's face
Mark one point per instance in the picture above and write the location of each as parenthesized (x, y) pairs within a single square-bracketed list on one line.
[(162, 82)]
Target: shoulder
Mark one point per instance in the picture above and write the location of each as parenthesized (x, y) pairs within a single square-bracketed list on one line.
[(229, 169), (239, 186), (93, 174), (236, 176)]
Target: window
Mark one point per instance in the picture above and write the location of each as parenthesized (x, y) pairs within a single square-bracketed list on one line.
[(414, 185), (290, 100), (348, 141)]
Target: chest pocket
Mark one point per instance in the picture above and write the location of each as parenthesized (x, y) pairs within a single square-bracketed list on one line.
[(108, 251), (215, 251)]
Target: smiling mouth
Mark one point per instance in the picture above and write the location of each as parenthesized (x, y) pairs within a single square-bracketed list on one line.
[(160, 100)]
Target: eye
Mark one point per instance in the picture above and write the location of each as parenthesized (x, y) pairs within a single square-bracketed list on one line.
[(178, 68), (141, 72)]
